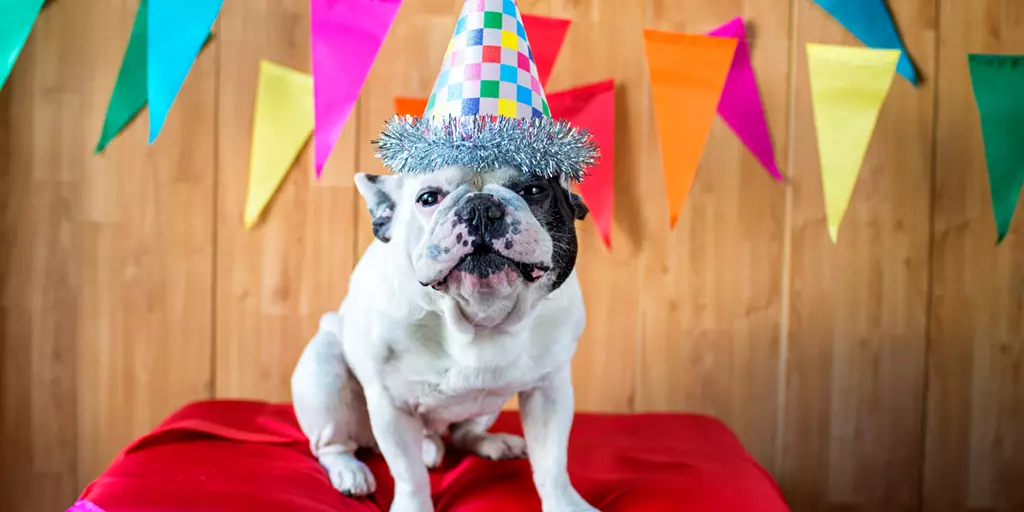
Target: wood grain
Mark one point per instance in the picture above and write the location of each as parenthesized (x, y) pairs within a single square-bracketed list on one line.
[(882, 373), (710, 302), (856, 355), (275, 281), (975, 423), (107, 276)]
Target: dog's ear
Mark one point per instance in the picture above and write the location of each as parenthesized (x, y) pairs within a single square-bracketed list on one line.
[(379, 193), (579, 208)]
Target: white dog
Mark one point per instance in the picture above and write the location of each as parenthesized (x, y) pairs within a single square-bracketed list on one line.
[(467, 298)]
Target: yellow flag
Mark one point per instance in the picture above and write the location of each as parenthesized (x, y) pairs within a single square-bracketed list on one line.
[(282, 124), (848, 87)]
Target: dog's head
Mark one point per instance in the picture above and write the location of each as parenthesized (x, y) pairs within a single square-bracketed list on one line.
[(483, 238)]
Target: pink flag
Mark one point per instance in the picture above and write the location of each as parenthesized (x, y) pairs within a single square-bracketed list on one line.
[(593, 107), (345, 36), (740, 106)]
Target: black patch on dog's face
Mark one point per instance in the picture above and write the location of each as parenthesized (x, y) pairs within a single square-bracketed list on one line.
[(556, 212), (378, 192), (382, 210)]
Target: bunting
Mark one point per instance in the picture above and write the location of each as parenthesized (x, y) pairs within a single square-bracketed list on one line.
[(129, 95), (741, 107), (687, 74), (16, 20), (593, 107), (848, 87), (177, 31), (998, 84), (345, 37), (871, 23), (282, 123)]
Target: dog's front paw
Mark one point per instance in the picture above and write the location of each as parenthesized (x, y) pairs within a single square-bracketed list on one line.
[(348, 474), (433, 451), (496, 446), (411, 502), (572, 503)]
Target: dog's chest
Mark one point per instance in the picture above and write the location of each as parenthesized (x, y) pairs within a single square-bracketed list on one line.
[(445, 385)]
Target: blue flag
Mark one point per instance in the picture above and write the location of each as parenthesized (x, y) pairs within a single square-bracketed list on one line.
[(871, 23), (16, 20), (177, 31)]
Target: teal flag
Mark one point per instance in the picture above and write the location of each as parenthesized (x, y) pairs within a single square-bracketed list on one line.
[(129, 96), (871, 23), (177, 31), (998, 82), (16, 20)]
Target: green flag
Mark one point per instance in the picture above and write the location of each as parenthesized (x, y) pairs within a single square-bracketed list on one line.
[(129, 94), (998, 82), (16, 20)]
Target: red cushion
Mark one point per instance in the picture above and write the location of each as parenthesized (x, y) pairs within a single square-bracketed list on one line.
[(243, 456)]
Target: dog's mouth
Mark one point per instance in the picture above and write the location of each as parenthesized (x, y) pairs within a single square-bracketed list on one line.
[(484, 262)]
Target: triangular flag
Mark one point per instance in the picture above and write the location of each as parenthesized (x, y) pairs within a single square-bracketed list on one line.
[(741, 106), (546, 36), (998, 83), (282, 123), (871, 23), (345, 36), (848, 87), (129, 94), (177, 31), (16, 20), (410, 106), (593, 107), (687, 75)]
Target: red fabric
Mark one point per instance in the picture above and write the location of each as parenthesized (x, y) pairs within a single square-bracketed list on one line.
[(228, 456)]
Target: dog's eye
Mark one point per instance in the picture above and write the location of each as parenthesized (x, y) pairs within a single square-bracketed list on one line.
[(531, 191), (428, 198)]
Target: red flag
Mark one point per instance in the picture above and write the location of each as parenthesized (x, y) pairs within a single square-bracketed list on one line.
[(592, 107), (546, 38)]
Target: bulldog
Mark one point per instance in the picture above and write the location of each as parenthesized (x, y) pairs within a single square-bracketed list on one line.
[(467, 297)]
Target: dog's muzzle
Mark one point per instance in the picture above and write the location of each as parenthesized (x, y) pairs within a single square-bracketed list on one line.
[(484, 217)]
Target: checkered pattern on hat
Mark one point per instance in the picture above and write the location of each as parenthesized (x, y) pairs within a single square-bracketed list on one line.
[(488, 68)]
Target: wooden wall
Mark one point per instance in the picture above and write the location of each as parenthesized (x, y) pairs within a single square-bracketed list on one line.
[(882, 373)]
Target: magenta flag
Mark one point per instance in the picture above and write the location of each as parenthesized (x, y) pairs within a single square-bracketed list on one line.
[(740, 106), (345, 36)]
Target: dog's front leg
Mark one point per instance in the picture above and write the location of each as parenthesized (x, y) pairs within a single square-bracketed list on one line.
[(547, 412), (399, 437)]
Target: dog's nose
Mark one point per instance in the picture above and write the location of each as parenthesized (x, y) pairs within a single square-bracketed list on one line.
[(484, 215)]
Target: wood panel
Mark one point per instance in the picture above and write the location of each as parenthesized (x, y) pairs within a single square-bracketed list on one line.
[(40, 456), (128, 285), (275, 281), (107, 275), (975, 426), (856, 341), (711, 302)]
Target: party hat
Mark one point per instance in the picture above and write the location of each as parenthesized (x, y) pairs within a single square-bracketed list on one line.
[(487, 109)]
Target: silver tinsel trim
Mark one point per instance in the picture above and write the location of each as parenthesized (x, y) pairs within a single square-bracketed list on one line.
[(540, 145)]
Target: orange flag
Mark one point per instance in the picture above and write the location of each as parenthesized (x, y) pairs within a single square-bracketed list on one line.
[(687, 75), (410, 106)]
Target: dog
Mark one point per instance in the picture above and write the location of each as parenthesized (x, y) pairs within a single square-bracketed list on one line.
[(467, 297)]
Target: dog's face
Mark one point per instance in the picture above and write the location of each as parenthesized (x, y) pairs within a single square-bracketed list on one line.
[(478, 236)]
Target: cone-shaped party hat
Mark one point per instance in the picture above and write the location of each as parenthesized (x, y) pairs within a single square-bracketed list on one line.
[(487, 109)]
